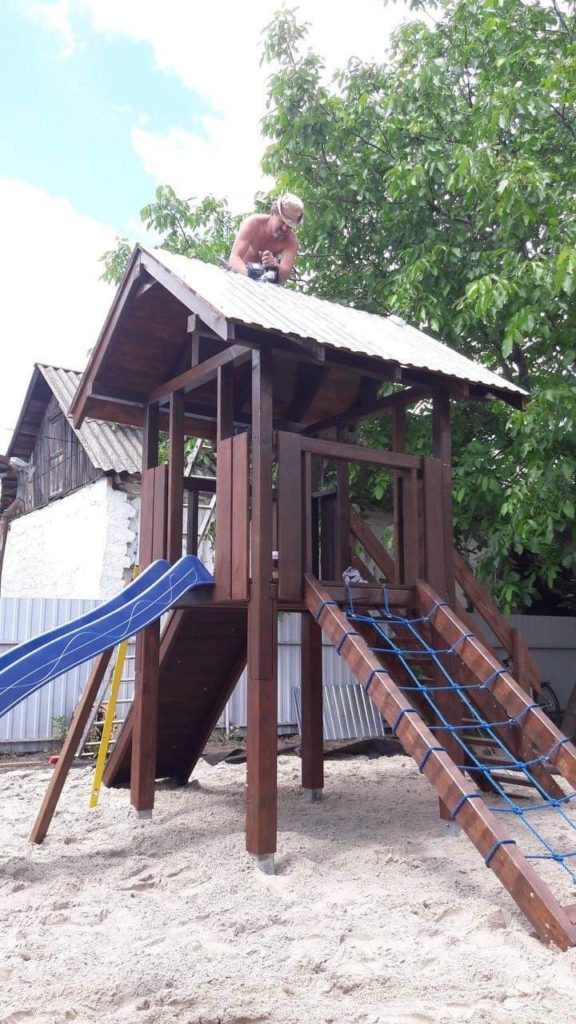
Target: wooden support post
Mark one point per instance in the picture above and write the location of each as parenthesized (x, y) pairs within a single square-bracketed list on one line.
[(398, 445), (342, 548), (192, 523), (176, 476), (150, 437), (225, 399), (290, 536), (70, 746), (261, 733), (152, 546), (145, 718), (311, 680), (442, 449)]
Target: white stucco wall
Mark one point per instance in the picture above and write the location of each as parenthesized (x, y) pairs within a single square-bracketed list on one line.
[(77, 547)]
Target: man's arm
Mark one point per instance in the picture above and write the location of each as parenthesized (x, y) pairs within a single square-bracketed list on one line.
[(285, 264), (242, 245)]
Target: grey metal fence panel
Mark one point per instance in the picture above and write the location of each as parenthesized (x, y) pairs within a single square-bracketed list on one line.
[(552, 641), (21, 619)]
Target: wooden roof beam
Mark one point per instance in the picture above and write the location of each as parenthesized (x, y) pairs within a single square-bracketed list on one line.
[(200, 374), (364, 411), (309, 381), (186, 296), (119, 308)]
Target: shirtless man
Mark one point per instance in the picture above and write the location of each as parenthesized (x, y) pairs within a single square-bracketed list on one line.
[(266, 246)]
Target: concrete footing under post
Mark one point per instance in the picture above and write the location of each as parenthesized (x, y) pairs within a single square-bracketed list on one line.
[(314, 795), (265, 863), (143, 815)]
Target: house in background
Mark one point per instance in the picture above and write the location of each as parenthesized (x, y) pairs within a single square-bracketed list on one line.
[(78, 535)]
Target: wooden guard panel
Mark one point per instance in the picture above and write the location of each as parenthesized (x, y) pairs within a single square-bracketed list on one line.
[(202, 655)]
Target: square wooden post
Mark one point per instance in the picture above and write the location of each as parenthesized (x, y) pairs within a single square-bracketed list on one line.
[(176, 476), (442, 449), (145, 712), (262, 714), (449, 703), (311, 680)]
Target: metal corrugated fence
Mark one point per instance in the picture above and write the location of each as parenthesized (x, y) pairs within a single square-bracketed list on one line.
[(33, 721), (21, 619)]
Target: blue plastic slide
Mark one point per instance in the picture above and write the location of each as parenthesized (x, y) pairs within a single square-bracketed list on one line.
[(141, 583), (47, 657)]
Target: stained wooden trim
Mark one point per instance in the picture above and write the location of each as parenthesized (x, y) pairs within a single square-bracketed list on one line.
[(410, 532), (70, 746), (175, 476), (150, 437), (372, 546), (117, 311), (290, 538), (225, 401), (311, 679), (262, 703), (201, 374), (240, 560), (215, 320), (378, 407), (442, 449), (160, 520), (199, 484), (337, 450), (145, 718), (494, 619), (435, 554), (223, 556)]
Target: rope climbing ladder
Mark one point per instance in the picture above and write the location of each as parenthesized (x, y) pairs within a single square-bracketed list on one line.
[(464, 720)]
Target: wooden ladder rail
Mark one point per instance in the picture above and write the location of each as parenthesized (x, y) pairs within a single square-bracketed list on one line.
[(512, 640), (551, 921), (525, 668), (481, 662), (66, 756)]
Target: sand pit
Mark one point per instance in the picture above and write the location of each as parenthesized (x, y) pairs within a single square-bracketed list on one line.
[(373, 916)]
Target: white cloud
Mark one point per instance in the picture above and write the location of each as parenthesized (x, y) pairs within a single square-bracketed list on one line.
[(55, 16), (215, 50), (197, 167), (53, 304)]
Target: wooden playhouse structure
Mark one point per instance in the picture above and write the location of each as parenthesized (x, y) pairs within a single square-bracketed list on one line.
[(277, 379)]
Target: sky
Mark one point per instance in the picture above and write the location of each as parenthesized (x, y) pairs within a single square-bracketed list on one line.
[(101, 101)]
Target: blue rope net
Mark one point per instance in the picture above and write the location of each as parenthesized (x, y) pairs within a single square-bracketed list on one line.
[(400, 638)]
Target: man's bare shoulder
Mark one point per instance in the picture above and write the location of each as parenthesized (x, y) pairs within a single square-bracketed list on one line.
[(255, 220)]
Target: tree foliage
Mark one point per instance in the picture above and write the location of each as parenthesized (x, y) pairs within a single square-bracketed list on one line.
[(203, 230), (440, 184)]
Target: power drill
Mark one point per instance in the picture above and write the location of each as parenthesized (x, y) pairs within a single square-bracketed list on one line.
[(260, 273)]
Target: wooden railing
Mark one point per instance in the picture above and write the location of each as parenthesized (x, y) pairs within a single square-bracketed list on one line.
[(524, 668), (419, 540), (522, 664)]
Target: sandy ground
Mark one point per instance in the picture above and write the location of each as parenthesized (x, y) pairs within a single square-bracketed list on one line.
[(373, 915)]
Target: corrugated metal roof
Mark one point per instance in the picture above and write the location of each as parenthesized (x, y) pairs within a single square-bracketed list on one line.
[(109, 446), (239, 299)]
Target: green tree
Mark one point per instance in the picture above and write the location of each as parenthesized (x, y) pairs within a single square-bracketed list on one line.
[(440, 184), (204, 230)]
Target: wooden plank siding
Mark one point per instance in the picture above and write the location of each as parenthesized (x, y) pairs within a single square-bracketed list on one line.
[(61, 463)]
